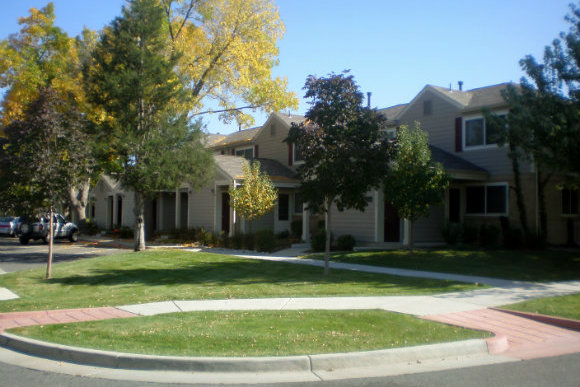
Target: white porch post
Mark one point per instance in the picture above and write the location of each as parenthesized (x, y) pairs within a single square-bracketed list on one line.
[(177, 208), (406, 232), (305, 223)]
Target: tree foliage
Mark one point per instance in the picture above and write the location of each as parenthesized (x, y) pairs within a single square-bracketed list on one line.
[(256, 196), (340, 144), (414, 183), (543, 125), (43, 154), (229, 50), (149, 139)]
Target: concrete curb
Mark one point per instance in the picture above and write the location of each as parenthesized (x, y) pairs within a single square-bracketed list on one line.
[(303, 363)]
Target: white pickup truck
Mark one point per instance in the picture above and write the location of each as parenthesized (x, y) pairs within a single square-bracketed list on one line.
[(63, 229)]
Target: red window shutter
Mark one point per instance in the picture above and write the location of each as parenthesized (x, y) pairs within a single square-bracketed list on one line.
[(256, 153), (290, 155), (458, 139)]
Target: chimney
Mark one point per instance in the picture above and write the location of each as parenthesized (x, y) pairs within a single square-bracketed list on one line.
[(460, 83), (369, 99)]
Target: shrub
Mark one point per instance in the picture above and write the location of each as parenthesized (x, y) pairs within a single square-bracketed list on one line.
[(223, 240), (264, 241), (126, 233), (345, 242), (89, 227), (296, 228), (488, 235), (318, 241), (469, 234), (204, 237), (237, 241), (452, 233), (283, 234), (248, 241)]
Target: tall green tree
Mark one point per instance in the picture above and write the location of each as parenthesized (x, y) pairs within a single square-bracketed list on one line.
[(344, 157), (43, 154), (543, 125), (256, 196), (414, 183), (149, 139)]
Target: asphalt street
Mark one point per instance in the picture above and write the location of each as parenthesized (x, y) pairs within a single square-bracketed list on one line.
[(16, 257), (561, 371)]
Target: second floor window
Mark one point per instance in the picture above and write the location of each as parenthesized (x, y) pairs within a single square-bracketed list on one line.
[(478, 133)]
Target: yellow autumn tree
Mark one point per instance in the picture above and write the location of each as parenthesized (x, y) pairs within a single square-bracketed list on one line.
[(256, 196), (228, 51)]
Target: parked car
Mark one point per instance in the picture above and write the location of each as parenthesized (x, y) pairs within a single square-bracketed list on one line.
[(9, 225), (39, 229)]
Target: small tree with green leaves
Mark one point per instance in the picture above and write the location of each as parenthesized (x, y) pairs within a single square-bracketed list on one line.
[(344, 157), (414, 183), (256, 196)]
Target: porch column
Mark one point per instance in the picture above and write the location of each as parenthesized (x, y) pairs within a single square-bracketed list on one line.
[(177, 208), (305, 223), (406, 232), (160, 225)]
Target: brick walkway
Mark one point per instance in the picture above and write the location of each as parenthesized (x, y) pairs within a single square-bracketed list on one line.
[(526, 339), (22, 319)]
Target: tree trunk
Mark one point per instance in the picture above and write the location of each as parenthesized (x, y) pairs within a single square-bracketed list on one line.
[(79, 199), (519, 192), (543, 230), (50, 244), (411, 235), (139, 230), (327, 243)]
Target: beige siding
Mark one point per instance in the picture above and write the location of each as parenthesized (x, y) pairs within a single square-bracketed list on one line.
[(202, 209), (271, 143), (359, 224)]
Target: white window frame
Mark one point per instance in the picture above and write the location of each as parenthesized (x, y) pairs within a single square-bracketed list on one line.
[(464, 145), (485, 213), (245, 149), (294, 161), (388, 134)]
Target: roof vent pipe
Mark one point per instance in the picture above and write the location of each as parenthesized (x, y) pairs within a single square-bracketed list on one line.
[(369, 99), (460, 83)]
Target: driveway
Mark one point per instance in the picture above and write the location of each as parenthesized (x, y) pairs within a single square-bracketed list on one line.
[(16, 257)]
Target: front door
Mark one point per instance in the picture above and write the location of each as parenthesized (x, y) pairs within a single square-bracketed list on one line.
[(454, 205), (392, 224), (226, 212)]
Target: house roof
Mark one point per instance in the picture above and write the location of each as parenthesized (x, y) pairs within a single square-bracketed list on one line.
[(211, 138), (391, 113), (456, 166), (233, 167), (238, 138), (290, 118)]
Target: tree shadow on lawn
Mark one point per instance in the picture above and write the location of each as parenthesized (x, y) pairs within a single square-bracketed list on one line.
[(253, 273)]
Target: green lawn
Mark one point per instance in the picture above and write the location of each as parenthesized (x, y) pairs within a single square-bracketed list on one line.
[(161, 275), (265, 333), (536, 265), (560, 306)]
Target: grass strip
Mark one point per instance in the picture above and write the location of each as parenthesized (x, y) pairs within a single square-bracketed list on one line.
[(559, 306), (162, 275), (261, 333), (533, 265)]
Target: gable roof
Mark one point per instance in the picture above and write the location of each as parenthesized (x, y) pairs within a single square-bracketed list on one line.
[(392, 112), (466, 101), (232, 166)]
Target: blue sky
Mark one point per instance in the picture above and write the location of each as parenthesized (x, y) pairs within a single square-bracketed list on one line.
[(393, 48)]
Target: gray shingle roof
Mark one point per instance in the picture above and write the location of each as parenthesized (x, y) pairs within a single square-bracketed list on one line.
[(240, 137), (232, 166), (450, 162)]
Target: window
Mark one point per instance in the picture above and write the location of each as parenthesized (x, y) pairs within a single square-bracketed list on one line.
[(490, 199), (388, 134), (478, 133), (297, 154), (283, 206), (247, 153), (569, 201)]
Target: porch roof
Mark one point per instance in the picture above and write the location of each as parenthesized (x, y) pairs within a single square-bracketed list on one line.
[(457, 167), (232, 167)]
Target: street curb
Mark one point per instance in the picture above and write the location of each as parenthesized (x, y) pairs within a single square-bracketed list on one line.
[(544, 318), (302, 363)]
